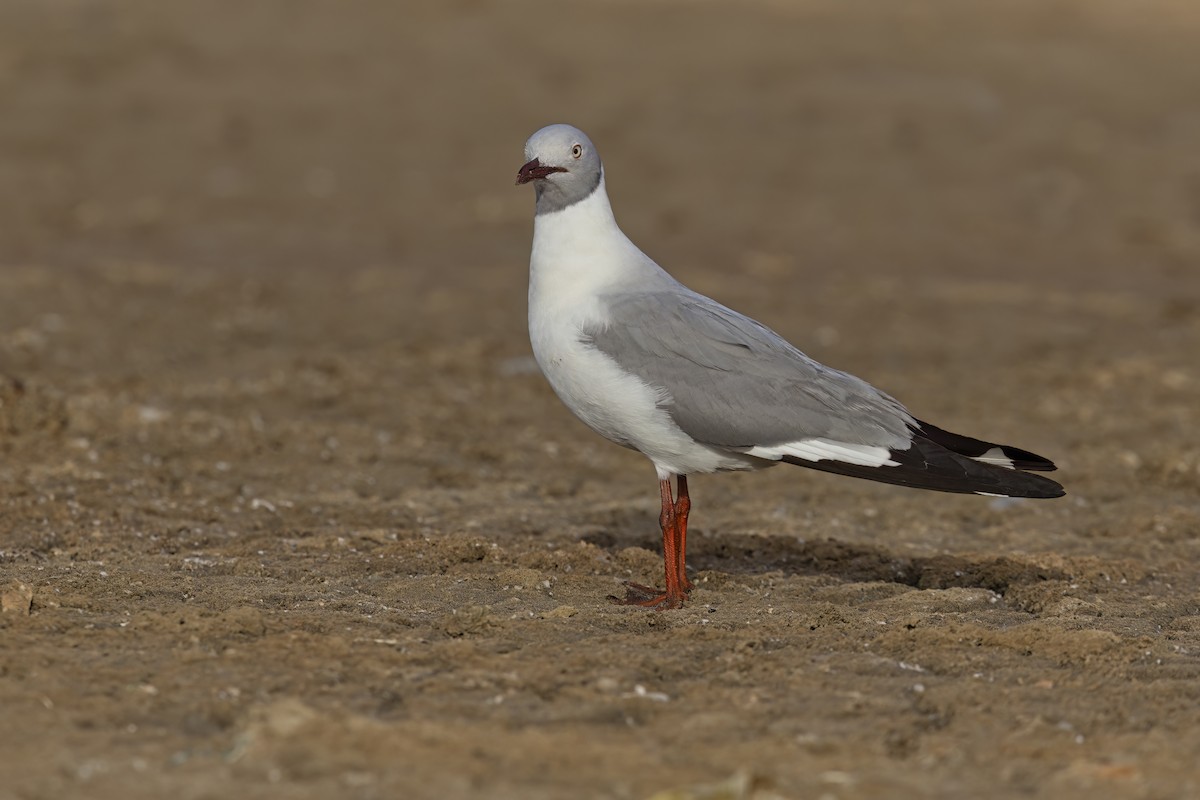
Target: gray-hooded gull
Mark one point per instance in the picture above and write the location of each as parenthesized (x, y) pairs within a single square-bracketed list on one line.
[(696, 387)]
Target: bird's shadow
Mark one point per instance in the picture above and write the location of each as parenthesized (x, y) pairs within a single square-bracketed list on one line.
[(734, 553)]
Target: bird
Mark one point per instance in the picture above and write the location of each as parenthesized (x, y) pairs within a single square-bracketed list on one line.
[(698, 388)]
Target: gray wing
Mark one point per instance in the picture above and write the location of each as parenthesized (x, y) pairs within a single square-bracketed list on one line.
[(735, 383)]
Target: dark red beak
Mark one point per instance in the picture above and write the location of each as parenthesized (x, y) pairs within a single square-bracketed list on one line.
[(534, 170)]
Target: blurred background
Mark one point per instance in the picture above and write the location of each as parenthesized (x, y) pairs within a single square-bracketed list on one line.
[(1022, 141), (202, 190), (303, 169), (263, 275)]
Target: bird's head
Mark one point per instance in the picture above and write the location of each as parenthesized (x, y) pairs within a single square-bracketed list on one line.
[(562, 165)]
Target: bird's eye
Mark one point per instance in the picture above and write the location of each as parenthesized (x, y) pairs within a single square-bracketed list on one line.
[(577, 151)]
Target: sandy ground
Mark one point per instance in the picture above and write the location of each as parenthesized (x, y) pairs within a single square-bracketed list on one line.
[(288, 512)]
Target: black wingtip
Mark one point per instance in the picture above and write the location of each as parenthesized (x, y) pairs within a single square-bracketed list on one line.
[(949, 462), (978, 448), (1023, 484), (944, 472)]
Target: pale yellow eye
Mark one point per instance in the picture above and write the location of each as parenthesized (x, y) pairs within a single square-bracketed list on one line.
[(577, 151)]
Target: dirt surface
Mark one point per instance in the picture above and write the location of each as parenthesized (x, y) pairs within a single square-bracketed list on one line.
[(288, 512)]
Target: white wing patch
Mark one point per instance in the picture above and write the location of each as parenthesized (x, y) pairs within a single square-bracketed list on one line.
[(863, 455), (996, 457)]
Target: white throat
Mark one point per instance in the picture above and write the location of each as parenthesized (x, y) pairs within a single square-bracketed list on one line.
[(580, 252)]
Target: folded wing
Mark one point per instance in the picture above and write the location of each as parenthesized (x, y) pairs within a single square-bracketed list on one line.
[(733, 383)]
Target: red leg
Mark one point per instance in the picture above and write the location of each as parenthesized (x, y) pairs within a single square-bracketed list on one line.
[(682, 506), (675, 594)]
